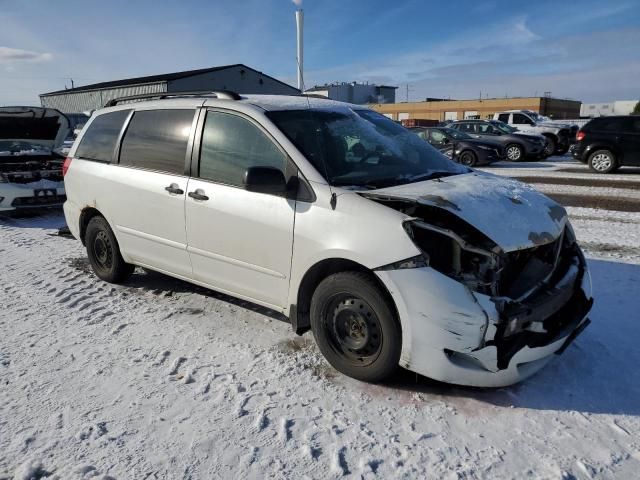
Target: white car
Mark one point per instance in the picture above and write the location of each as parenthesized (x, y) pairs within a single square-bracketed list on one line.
[(342, 220), (30, 167)]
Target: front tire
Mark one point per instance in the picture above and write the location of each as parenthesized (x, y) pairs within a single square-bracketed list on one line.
[(355, 326), (515, 152), (468, 158), (602, 161), (104, 252), (550, 147)]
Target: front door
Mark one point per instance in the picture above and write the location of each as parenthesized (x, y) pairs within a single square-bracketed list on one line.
[(631, 141), (240, 242)]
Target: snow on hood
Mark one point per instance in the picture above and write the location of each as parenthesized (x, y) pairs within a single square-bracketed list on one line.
[(33, 126), (512, 214)]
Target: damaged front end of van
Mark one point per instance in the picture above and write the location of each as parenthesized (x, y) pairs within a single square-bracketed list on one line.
[(501, 284)]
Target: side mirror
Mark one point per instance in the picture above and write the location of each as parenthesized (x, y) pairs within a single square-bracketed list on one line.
[(265, 180)]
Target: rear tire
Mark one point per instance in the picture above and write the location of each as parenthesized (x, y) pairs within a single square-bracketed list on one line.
[(355, 326), (515, 153), (468, 158), (104, 252), (602, 161)]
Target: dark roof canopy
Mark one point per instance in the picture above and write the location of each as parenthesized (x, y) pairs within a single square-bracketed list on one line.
[(165, 77)]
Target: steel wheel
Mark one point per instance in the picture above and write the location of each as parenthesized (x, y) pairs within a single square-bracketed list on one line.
[(103, 250), (354, 329), (514, 152)]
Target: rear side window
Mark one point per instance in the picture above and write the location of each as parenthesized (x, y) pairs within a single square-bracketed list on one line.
[(99, 141), (230, 145), (467, 127), (607, 124), (157, 140), (504, 117)]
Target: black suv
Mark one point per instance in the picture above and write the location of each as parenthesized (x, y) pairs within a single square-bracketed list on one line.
[(606, 143)]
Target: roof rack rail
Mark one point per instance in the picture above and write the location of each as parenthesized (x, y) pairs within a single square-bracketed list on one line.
[(221, 94)]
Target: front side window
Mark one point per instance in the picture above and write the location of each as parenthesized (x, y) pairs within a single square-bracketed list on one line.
[(230, 145), (361, 148), (99, 141), (157, 140), (519, 119)]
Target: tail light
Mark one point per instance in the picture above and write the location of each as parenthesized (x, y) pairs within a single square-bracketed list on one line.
[(66, 165), (580, 135)]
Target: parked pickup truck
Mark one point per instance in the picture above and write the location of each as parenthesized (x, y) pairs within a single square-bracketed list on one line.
[(559, 135)]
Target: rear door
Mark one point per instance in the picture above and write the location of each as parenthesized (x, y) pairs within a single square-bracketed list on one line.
[(631, 141), (146, 192), (239, 241)]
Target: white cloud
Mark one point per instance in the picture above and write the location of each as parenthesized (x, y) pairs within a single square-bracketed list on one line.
[(8, 55), (297, 2)]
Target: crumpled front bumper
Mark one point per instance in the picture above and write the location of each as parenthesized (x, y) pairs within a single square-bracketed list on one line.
[(462, 337)]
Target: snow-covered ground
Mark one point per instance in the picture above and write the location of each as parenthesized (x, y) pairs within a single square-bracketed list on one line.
[(162, 379)]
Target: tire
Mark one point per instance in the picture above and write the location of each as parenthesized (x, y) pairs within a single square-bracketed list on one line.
[(550, 147), (515, 152), (468, 158), (104, 252), (355, 327), (602, 161)]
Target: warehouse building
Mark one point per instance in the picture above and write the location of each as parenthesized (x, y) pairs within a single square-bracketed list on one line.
[(238, 78), (354, 92), (441, 109), (618, 107)]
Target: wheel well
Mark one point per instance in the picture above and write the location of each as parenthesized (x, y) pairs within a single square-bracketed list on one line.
[(552, 136), (85, 217), (299, 313)]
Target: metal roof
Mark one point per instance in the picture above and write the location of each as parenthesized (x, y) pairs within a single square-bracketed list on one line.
[(165, 77)]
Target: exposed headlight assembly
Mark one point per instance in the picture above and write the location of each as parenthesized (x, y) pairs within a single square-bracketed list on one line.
[(453, 256)]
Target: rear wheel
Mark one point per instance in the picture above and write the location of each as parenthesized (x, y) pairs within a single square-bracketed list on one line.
[(104, 253), (355, 327), (515, 153), (602, 161), (468, 158)]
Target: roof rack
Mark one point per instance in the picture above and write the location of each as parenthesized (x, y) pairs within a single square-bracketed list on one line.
[(221, 94)]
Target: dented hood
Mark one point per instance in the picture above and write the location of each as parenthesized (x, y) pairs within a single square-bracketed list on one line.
[(512, 214)]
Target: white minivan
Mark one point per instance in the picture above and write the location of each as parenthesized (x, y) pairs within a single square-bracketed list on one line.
[(339, 218)]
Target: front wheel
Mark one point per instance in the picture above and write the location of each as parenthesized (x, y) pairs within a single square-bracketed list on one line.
[(515, 153), (550, 147), (104, 253), (355, 327), (468, 158)]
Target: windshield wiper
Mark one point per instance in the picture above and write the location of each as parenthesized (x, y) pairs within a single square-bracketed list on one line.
[(431, 176)]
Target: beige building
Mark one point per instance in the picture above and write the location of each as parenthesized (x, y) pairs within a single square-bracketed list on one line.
[(438, 109)]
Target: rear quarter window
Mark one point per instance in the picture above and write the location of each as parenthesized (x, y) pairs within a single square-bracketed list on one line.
[(99, 141), (157, 140)]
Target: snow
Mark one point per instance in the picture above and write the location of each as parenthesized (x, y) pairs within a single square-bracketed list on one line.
[(161, 379)]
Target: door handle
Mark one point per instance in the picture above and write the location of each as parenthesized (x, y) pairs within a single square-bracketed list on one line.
[(174, 188), (198, 195)]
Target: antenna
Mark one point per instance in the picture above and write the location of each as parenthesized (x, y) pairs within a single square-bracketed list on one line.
[(300, 53)]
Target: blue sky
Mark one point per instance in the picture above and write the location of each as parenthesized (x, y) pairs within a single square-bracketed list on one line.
[(586, 50)]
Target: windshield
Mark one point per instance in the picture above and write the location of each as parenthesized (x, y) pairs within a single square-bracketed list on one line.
[(456, 134), (362, 148), (538, 118), (503, 127)]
